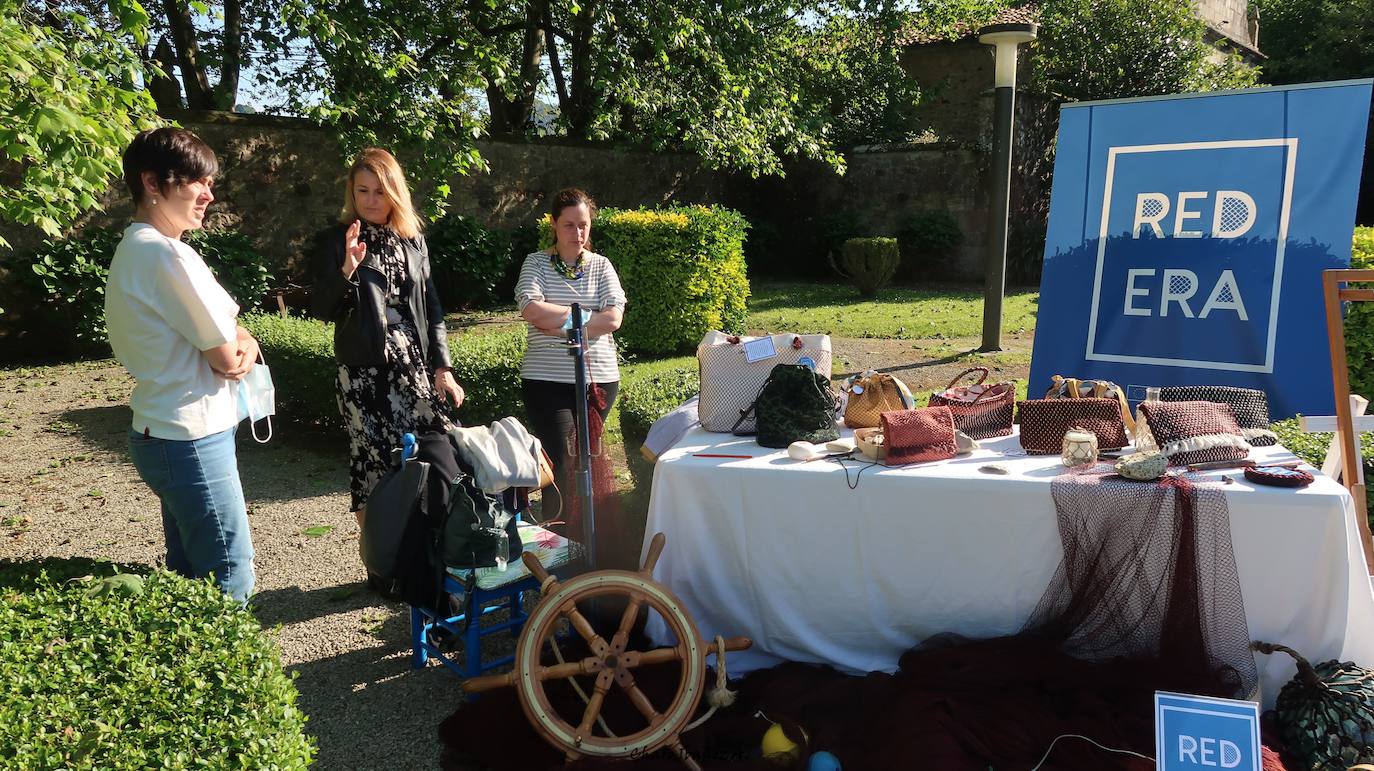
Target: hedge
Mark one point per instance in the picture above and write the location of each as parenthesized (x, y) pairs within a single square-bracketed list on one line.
[(1312, 448), (300, 353), (647, 395), (682, 269), (468, 261), (1359, 321), (67, 277), (127, 671)]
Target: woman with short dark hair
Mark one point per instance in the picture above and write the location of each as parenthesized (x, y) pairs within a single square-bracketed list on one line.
[(372, 279), (173, 327)]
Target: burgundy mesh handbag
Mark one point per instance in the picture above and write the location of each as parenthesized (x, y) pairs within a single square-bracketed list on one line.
[(1195, 432), (1045, 421), (917, 436), (982, 411)]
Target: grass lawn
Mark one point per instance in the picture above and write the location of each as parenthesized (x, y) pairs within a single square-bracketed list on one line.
[(898, 312)]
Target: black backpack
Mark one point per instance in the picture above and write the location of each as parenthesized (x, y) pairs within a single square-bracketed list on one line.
[(795, 404), (415, 510)]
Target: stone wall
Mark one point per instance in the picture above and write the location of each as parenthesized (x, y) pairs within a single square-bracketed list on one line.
[(281, 181)]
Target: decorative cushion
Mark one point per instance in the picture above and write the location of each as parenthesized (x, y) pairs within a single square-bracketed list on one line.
[(1249, 405), (553, 551), (1195, 432)]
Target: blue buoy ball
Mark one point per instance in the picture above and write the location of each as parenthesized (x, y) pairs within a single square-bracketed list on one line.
[(823, 761)]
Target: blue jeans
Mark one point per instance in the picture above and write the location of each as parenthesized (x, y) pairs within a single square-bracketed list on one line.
[(204, 518)]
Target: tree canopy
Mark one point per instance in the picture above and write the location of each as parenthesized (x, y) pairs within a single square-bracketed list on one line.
[(70, 102)]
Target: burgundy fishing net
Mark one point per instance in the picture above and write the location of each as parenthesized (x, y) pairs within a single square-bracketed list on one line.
[(1148, 571)]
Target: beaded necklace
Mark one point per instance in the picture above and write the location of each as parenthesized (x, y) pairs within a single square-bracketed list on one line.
[(570, 272)]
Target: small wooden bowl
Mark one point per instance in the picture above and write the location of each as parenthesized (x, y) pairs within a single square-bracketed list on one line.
[(870, 443)]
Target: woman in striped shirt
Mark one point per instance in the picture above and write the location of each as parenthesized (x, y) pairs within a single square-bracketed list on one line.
[(550, 282)]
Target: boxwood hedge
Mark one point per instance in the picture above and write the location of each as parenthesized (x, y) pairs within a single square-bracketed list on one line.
[(682, 269), (300, 353), (127, 671)]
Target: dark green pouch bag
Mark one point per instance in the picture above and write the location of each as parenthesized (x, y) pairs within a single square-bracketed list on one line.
[(795, 404)]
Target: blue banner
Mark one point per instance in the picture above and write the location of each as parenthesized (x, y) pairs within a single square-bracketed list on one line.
[(1187, 237)]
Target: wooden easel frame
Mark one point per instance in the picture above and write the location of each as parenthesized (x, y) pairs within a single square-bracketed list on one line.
[(1351, 472)]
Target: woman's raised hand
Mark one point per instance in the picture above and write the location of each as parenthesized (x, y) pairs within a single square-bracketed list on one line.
[(354, 250)]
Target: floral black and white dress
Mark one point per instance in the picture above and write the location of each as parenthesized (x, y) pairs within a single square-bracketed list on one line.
[(380, 404)]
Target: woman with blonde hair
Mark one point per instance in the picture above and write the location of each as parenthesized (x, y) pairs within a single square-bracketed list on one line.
[(372, 279)]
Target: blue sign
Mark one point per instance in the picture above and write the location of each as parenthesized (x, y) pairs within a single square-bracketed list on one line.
[(1193, 733), (1187, 238)]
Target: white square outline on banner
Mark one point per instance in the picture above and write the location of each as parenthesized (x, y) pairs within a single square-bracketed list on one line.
[(1160, 709), (1291, 143)]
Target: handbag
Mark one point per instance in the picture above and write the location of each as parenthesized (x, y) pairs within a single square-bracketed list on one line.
[(870, 395), (918, 436), (733, 370), (981, 411), (1074, 388), (1249, 405), (794, 405), (1045, 421)]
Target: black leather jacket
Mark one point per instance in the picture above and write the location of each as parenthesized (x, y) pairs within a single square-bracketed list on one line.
[(358, 306)]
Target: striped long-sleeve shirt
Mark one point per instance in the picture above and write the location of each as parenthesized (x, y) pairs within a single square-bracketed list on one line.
[(598, 288)]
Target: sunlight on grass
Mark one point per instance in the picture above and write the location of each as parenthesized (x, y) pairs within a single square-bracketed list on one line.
[(902, 313)]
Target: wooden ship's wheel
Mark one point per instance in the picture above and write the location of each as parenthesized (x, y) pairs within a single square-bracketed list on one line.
[(609, 663)]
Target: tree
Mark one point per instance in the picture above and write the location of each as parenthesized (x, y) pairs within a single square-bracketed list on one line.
[(69, 105), (1111, 49), (1314, 40)]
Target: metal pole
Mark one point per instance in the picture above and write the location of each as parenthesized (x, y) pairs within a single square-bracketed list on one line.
[(577, 348), (995, 267)]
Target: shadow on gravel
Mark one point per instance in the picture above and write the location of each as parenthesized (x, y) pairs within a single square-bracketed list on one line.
[(300, 461)]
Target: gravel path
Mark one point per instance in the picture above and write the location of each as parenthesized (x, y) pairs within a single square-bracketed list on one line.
[(67, 489)]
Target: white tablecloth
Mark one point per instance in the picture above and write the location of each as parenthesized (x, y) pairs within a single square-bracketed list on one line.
[(786, 553)]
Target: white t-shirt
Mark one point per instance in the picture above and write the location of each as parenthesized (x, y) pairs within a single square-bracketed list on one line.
[(162, 308)]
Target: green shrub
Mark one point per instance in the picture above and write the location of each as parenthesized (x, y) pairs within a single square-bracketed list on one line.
[(469, 261), (155, 672), (69, 276), (869, 263), (304, 371), (1359, 321), (682, 269), (927, 239), (647, 395), (300, 354), (1312, 448)]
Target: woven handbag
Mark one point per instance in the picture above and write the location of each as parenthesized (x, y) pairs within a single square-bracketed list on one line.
[(981, 411), (1045, 421), (918, 436), (730, 381), (1249, 405), (1074, 388), (1195, 432), (870, 395)]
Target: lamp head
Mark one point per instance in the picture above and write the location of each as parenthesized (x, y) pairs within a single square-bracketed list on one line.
[(1006, 37)]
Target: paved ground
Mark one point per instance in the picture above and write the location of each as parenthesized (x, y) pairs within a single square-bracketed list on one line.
[(67, 489)]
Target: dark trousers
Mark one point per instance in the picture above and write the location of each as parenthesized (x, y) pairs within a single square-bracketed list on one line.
[(549, 407)]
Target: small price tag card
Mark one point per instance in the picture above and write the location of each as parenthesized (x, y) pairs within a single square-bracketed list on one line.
[(759, 349)]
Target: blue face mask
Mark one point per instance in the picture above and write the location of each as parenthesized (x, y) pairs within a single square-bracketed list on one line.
[(257, 399)]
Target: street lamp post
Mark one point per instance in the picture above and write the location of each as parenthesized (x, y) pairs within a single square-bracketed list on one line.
[(1006, 38)]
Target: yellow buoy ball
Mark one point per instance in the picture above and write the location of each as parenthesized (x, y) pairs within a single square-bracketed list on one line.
[(778, 748)]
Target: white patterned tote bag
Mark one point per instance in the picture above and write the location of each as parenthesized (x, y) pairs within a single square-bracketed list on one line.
[(734, 369)]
